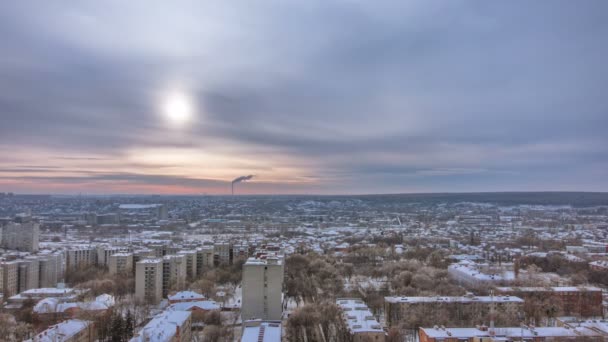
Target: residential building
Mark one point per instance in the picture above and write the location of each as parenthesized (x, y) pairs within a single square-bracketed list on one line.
[(222, 253), (149, 280), (456, 311), (362, 325), (191, 262), (174, 272), (73, 330), (582, 301), (168, 326), (262, 289), (80, 256), (204, 258), (121, 263), (10, 278), (21, 236), (261, 331), (485, 334)]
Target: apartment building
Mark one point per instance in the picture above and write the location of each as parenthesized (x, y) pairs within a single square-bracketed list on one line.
[(168, 326), (50, 269), (174, 272), (458, 311), (204, 258), (191, 262), (149, 280), (583, 301), (29, 272), (362, 325), (222, 253), (120, 263), (104, 252), (80, 256), (262, 289), (485, 334), (10, 278), (73, 330), (21, 236)]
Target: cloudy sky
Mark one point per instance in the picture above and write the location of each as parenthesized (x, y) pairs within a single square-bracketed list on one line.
[(350, 96)]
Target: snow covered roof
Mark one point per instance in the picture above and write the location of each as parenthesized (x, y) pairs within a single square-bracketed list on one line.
[(203, 304), (358, 317), (265, 331), (162, 327), (459, 299), (186, 295), (62, 331)]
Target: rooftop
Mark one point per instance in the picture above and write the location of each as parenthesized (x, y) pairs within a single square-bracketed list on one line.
[(357, 316), (62, 331), (264, 331)]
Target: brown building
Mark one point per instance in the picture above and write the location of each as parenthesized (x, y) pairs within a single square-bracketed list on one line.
[(583, 301), (484, 334), (463, 311)]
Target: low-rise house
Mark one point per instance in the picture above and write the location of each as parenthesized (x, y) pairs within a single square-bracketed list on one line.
[(72, 330), (185, 296), (168, 326), (261, 331), (362, 325)]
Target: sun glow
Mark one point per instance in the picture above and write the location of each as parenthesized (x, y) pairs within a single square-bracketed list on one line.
[(177, 108)]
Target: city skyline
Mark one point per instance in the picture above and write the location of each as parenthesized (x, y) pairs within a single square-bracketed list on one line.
[(312, 97)]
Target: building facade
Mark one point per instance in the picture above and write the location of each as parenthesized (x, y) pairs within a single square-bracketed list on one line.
[(149, 280), (262, 289)]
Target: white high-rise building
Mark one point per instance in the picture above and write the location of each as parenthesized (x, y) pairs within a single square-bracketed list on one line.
[(21, 236), (149, 280), (80, 256), (121, 263), (263, 289), (51, 269), (174, 272)]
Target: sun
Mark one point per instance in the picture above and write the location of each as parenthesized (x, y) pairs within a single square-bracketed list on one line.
[(177, 108)]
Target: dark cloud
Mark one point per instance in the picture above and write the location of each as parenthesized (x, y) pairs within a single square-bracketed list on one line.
[(387, 96)]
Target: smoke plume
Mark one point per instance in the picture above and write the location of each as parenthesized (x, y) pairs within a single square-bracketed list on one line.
[(241, 179)]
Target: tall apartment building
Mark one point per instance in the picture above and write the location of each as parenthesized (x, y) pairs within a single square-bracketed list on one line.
[(29, 271), (262, 289), (149, 280), (21, 236), (121, 263), (191, 262), (10, 278), (204, 258), (50, 269), (141, 254), (452, 311), (222, 253), (174, 272), (81, 256), (104, 252)]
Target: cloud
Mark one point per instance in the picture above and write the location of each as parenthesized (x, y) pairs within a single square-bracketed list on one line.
[(344, 96)]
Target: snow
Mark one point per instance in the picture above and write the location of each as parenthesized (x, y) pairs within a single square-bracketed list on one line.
[(264, 332), (62, 331)]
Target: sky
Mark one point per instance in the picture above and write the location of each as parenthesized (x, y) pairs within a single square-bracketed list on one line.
[(311, 97)]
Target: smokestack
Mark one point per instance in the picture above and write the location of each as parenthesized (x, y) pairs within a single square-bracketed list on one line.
[(241, 179)]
